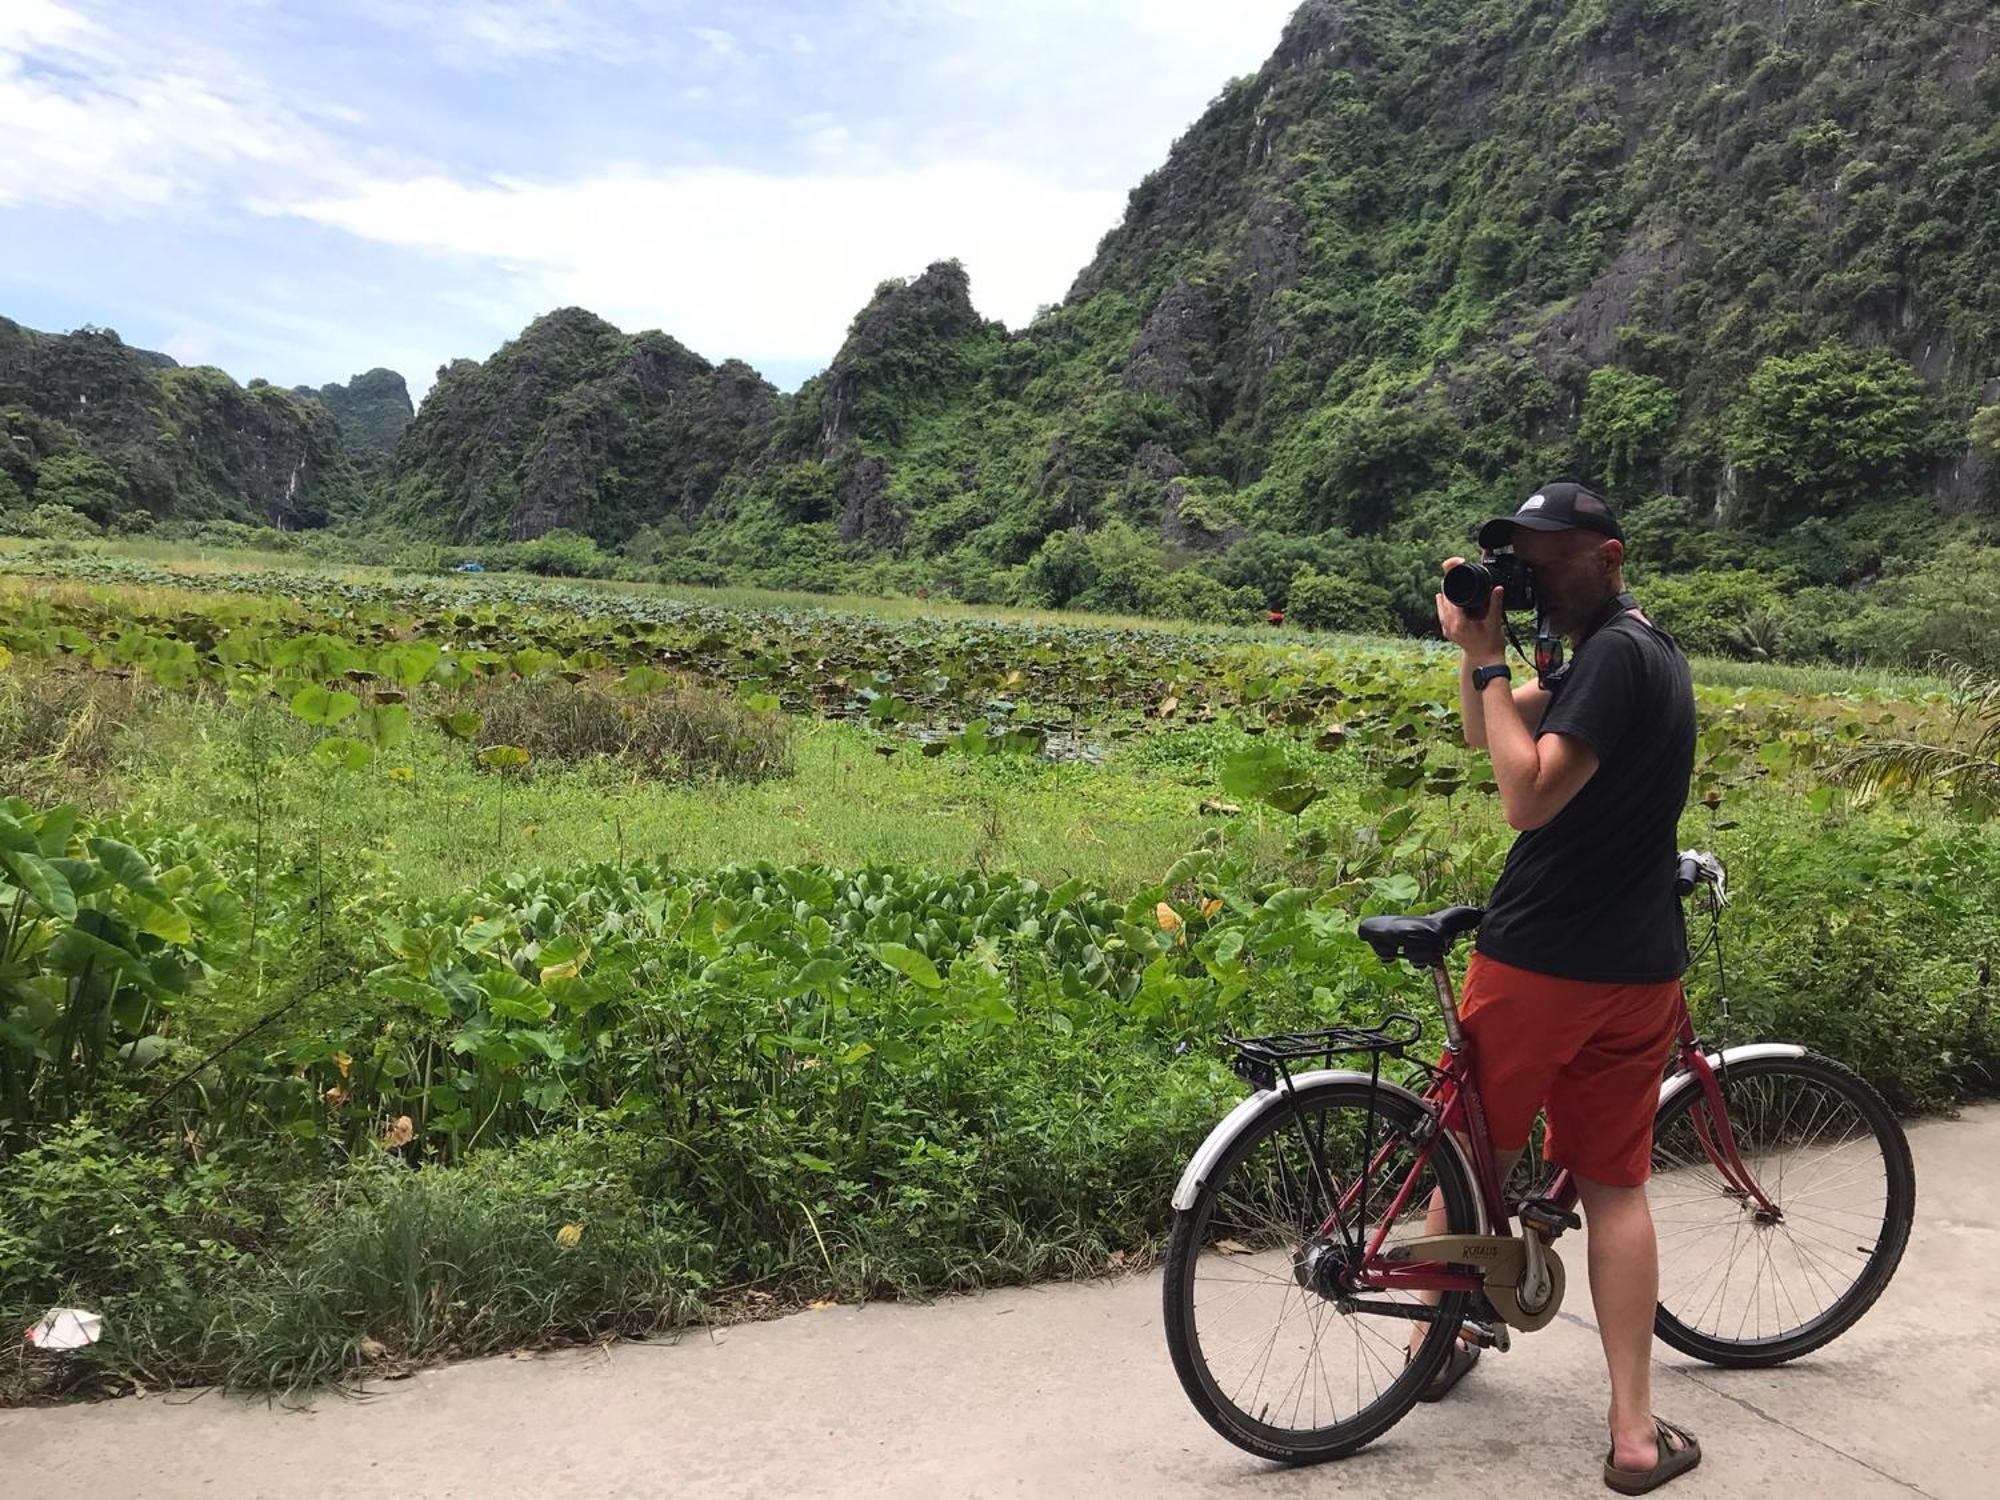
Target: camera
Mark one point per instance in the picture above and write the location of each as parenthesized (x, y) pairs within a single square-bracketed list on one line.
[(1471, 584)]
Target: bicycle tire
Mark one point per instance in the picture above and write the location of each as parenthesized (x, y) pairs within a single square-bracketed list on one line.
[(1397, 1115), (1744, 1085)]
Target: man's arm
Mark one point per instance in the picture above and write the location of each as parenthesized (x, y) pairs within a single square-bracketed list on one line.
[(1531, 698), (1537, 776), (1537, 773)]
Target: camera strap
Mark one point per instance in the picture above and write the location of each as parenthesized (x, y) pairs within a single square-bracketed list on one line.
[(1550, 668)]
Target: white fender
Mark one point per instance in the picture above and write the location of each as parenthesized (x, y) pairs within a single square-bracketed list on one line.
[(1252, 1110), (1681, 1082)]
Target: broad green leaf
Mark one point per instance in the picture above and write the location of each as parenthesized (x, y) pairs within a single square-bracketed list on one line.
[(462, 725), (908, 962), (642, 680), (503, 757), (478, 936), (15, 834), (337, 752), (410, 663), (53, 830), (155, 909), (1263, 773), (386, 725), (41, 880), (316, 705)]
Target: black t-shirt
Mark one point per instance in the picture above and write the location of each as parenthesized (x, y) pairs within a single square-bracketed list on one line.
[(1590, 894)]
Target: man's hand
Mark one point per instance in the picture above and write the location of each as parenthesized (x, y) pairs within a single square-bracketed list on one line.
[(1483, 638)]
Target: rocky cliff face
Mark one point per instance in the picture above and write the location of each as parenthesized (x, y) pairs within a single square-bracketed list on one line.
[(1372, 287), (576, 425), (113, 430), (371, 410)]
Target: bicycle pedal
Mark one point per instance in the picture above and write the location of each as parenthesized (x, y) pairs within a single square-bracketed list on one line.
[(1489, 1335), (1547, 1216)]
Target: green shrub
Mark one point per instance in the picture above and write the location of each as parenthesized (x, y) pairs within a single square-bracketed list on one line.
[(50, 521), (1320, 602), (1626, 421), (684, 732), (1705, 611), (81, 482), (558, 554), (1821, 430), (1190, 594)]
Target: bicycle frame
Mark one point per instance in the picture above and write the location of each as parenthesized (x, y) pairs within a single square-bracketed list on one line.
[(1452, 1083)]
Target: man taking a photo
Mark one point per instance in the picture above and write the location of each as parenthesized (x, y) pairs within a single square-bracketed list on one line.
[(1570, 997)]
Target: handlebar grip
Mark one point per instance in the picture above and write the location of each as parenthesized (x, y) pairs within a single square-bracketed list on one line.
[(1687, 875)]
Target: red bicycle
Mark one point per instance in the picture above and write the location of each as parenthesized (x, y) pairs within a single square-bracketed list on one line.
[(1782, 1189)]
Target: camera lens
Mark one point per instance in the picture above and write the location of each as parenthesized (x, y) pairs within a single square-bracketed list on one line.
[(1469, 585)]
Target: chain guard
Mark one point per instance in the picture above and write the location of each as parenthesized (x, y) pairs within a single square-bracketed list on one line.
[(1506, 1299)]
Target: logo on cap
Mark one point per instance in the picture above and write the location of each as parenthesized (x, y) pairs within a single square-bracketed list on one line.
[(1533, 502)]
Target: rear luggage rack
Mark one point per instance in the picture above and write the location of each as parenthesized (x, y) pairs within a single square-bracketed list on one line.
[(1261, 1060)]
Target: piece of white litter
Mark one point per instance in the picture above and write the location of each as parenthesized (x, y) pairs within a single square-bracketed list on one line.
[(66, 1328)]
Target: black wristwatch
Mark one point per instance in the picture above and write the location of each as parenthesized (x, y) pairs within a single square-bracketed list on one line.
[(1483, 675)]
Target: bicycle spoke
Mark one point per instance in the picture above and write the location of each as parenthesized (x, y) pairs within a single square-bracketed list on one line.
[(1277, 1343), (1729, 1270)]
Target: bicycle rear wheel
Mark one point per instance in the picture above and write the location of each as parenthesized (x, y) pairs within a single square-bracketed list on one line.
[(1269, 1344), (1743, 1287)]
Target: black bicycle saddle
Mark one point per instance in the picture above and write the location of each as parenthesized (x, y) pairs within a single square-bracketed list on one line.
[(1424, 941)]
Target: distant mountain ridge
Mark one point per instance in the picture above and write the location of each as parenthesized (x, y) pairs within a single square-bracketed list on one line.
[(1736, 252), (90, 422), (1371, 286), (372, 409)]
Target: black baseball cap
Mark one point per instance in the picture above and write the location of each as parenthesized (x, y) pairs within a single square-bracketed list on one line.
[(1562, 506)]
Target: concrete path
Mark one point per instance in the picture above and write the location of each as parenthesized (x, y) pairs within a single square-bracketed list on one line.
[(1067, 1391)]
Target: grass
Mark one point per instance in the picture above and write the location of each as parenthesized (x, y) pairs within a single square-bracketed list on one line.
[(1116, 823), (993, 1154)]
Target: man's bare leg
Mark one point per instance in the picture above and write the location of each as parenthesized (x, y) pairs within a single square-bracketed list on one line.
[(1625, 1288), (1436, 1221)]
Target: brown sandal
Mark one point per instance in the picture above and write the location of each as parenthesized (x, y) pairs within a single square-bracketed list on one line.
[(1457, 1365), (1678, 1453)]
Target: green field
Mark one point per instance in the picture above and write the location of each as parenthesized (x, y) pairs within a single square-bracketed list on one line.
[(403, 966)]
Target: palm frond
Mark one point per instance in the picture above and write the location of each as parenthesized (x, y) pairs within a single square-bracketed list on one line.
[(1886, 767)]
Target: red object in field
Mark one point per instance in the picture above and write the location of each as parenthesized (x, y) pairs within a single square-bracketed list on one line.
[(1275, 616)]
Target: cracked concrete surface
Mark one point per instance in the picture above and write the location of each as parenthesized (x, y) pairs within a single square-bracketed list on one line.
[(1067, 1390)]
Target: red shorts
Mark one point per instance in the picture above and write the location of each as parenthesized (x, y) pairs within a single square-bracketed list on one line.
[(1592, 1054)]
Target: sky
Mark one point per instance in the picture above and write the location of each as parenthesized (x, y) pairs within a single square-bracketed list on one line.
[(304, 189)]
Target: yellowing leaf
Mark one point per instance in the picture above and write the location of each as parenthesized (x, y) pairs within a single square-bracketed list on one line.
[(1211, 906), (570, 1236), (1167, 917), (402, 773), (1167, 708), (559, 971), (1232, 1247), (343, 1062), (399, 1134)]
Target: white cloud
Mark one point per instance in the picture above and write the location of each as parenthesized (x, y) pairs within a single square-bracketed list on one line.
[(794, 154), (89, 121), (476, 33), (733, 262)]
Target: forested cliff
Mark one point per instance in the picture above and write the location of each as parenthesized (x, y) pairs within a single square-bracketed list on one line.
[(1730, 259)]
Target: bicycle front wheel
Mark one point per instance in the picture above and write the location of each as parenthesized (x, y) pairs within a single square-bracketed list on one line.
[(1743, 1285), (1273, 1342)]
